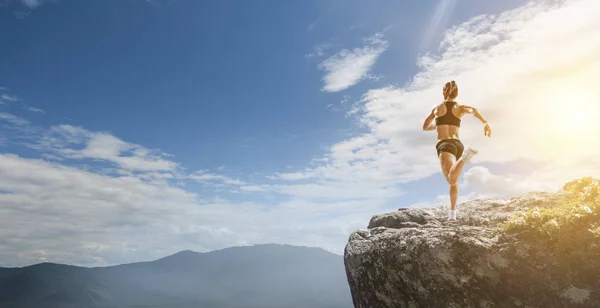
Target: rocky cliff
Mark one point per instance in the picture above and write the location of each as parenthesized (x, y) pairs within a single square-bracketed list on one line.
[(416, 258)]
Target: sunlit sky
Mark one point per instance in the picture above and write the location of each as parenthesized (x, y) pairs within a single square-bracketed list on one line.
[(130, 129)]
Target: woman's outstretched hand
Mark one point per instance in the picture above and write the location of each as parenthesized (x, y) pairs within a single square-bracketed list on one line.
[(487, 130)]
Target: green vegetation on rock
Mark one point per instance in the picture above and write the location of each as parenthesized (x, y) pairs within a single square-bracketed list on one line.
[(570, 229)]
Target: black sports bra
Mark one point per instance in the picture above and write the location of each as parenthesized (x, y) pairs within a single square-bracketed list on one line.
[(448, 118)]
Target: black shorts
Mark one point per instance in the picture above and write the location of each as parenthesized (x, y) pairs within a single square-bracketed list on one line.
[(453, 146)]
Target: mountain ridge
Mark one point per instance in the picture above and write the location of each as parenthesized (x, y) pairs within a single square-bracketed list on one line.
[(265, 275), (182, 252)]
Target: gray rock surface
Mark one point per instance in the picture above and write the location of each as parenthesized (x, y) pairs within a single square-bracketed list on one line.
[(415, 258)]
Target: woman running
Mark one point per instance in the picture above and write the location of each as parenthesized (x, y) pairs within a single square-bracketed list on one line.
[(450, 150)]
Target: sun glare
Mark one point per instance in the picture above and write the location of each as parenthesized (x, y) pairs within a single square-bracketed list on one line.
[(567, 116), (578, 114), (573, 112)]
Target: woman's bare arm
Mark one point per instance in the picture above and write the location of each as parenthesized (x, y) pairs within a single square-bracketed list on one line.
[(475, 112), (487, 130), (428, 124)]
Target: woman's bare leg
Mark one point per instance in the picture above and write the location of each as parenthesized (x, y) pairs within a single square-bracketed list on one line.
[(457, 167), (451, 168), (453, 196), (447, 160), (455, 172), (448, 163)]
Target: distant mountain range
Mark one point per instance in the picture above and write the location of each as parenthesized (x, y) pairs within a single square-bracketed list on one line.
[(260, 276)]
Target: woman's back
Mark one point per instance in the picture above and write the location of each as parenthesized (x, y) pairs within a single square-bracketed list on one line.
[(447, 117)]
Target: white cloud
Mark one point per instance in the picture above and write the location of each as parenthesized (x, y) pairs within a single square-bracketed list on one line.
[(339, 190), (32, 4), (444, 200), (47, 202), (347, 67), (203, 176), (482, 180), (34, 109), (13, 119), (9, 98), (542, 179), (367, 160), (253, 188), (542, 106), (52, 157), (138, 209), (51, 212), (103, 146), (357, 26), (319, 50)]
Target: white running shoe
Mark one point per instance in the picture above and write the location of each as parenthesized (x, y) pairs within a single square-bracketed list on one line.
[(451, 214), (468, 154)]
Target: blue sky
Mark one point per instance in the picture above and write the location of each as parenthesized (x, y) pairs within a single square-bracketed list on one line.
[(256, 109)]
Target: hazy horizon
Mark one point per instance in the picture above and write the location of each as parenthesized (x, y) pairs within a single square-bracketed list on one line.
[(262, 276), (180, 252)]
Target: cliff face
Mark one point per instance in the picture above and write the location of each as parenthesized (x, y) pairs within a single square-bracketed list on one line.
[(416, 258)]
